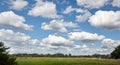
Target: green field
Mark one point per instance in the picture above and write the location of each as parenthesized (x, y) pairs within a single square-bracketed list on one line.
[(65, 61)]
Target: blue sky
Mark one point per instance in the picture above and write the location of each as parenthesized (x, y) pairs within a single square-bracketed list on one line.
[(79, 27)]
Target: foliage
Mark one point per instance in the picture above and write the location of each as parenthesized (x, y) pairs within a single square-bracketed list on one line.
[(5, 58), (41, 55), (60, 55), (116, 53)]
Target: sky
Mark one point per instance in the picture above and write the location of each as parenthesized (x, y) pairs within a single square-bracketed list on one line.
[(78, 27)]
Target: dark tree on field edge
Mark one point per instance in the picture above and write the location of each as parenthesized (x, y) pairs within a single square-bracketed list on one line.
[(116, 53), (5, 58)]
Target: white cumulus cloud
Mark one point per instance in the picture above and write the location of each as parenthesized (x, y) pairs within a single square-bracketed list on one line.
[(110, 43), (106, 19), (56, 41), (91, 3), (9, 18), (58, 25), (18, 4), (85, 36), (83, 17), (44, 9), (17, 41), (9, 35)]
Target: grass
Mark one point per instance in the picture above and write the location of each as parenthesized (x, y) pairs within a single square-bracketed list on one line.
[(65, 61)]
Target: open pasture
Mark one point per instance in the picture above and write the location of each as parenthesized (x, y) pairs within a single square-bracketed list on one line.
[(65, 61)]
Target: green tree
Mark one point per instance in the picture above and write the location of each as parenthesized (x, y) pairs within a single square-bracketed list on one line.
[(5, 58), (116, 53)]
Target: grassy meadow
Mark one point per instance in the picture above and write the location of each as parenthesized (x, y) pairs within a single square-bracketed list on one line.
[(65, 61)]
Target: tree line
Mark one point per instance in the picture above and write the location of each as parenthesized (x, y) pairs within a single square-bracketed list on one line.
[(59, 55)]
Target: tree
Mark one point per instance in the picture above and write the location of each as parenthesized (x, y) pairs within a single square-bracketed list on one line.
[(69, 55), (116, 53), (5, 58), (59, 55)]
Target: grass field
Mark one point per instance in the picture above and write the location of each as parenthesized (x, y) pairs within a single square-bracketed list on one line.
[(65, 61)]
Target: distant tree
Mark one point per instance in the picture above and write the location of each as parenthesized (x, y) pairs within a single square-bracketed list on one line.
[(100, 56), (66, 55), (116, 53), (69, 55), (5, 58), (59, 55)]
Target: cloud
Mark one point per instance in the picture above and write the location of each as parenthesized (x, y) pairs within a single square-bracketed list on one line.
[(92, 44), (80, 47), (18, 4), (83, 13), (52, 44), (9, 35), (85, 36), (68, 10), (9, 18), (18, 42), (44, 9), (109, 43), (91, 3), (83, 17), (58, 25), (106, 19), (116, 3), (56, 41)]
